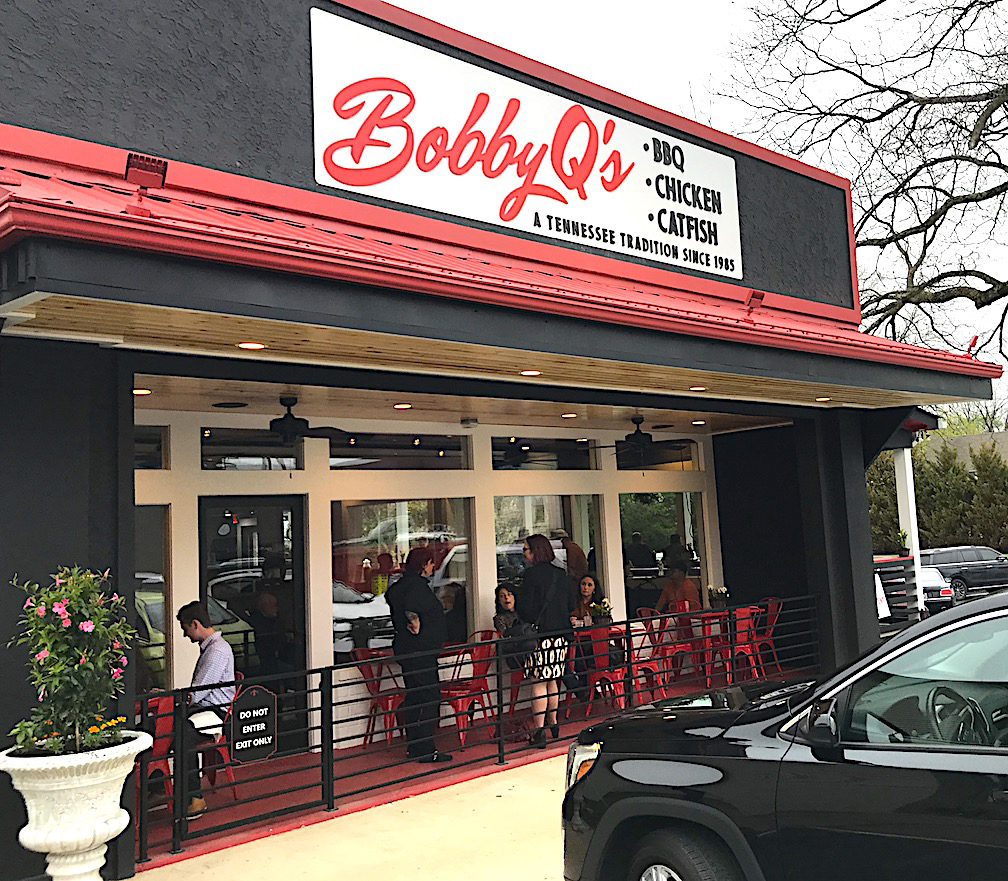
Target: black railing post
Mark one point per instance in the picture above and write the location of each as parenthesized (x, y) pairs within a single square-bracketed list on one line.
[(501, 666), (628, 661), (326, 708), (731, 622), (141, 819), (180, 783)]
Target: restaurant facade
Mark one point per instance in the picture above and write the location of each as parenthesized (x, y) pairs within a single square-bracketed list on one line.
[(288, 291)]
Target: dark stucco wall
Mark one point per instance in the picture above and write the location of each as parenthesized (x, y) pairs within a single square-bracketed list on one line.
[(58, 505), (228, 85)]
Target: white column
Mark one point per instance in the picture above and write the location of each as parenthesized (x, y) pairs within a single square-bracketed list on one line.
[(906, 502), (483, 540), (609, 544)]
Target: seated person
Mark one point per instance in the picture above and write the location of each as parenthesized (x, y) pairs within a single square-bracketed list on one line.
[(208, 701), (506, 615), (638, 554), (588, 593), (678, 587), (453, 600)]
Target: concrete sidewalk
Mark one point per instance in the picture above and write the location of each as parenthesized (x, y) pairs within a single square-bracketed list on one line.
[(503, 826)]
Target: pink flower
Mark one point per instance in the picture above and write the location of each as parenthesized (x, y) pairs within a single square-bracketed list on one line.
[(40, 611), (27, 603), (115, 644), (105, 574), (59, 581), (83, 660), (115, 597), (86, 626), (60, 609), (116, 673), (42, 655), (123, 660), (66, 621)]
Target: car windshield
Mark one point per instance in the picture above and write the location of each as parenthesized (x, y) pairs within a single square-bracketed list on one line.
[(343, 594)]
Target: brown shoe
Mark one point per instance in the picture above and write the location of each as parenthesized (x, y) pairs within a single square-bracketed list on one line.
[(196, 808)]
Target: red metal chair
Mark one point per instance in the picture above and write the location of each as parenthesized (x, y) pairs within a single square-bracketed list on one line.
[(466, 694), (645, 612), (371, 665), (604, 679), (162, 711), (764, 638), (517, 677), (710, 636), (745, 639), (676, 642)]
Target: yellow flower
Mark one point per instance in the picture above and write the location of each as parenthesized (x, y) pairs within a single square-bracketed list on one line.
[(122, 718), (93, 730)]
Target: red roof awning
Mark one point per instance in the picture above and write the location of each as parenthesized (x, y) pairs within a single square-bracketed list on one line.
[(51, 198)]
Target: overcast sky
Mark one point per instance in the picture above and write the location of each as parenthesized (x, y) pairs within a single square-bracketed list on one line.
[(669, 53)]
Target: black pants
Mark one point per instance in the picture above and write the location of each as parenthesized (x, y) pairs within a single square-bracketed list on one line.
[(421, 708)]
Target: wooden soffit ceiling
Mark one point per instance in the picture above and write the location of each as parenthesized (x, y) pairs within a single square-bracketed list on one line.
[(171, 330)]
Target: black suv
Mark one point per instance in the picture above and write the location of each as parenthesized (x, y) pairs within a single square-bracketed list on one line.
[(890, 769), (968, 566)]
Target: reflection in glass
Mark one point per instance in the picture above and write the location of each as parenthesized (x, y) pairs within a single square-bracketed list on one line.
[(540, 454), (247, 449), (151, 563), (570, 522), (150, 447), (677, 455), (658, 530), (386, 452), (370, 542)]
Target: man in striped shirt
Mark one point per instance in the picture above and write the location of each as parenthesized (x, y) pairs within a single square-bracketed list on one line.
[(209, 700)]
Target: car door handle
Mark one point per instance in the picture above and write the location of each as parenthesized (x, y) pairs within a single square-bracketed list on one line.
[(999, 795)]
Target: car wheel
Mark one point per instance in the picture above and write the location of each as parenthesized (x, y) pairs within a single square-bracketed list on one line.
[(959, 590), (674, 855)]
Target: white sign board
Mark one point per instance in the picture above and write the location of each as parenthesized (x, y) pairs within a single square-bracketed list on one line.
[(409, 125)]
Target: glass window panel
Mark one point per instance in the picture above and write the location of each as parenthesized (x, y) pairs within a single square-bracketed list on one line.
[(662, 455), (370, 543), (384, 452), (151, 559), (247, 449), (660, 530), (570, 522), (970, 555), (150, 447), (540, 454)]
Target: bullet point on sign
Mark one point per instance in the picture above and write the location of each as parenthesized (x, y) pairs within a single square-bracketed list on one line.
[(650, 217), (645, 146), (648, 182)]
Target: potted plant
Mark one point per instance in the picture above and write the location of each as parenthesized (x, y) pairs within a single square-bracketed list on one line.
[(70, 757), (904, 547), (601, 612), (717, 595)]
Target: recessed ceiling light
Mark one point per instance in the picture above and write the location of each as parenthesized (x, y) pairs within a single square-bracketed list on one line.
[(698, 388), (526, 448), (416, 442), (440, 452), (206, 432), (352, 441), (531, 373), (823, 400), (699, 421), (250, 345), (582, 440), (230, 405), (140, 392), (568, 415), (403, 406)]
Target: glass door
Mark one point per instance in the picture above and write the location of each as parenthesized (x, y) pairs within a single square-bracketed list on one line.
[(252, 579)]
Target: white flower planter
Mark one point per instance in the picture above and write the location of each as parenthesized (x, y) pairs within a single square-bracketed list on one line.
[(73, 804)]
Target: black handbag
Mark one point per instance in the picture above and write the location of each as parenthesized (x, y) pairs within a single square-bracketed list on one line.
[(522, 637)]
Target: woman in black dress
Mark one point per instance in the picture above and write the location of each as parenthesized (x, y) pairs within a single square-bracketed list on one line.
[(419, 622), (544, 599)]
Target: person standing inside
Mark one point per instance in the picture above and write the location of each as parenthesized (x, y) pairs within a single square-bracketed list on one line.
[(544, 600), (419, 622), (577, 562), (209, 700)]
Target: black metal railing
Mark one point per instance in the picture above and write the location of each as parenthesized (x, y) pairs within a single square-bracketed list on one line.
[(339, 729)]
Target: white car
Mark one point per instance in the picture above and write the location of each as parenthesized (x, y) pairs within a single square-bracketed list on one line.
[(359, 620), (938, 591)]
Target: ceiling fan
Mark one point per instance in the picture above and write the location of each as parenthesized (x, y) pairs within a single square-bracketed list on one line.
[(290, 427), (640, 444)]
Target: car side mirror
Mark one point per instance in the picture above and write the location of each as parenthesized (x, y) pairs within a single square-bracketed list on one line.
[(820, 731)]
